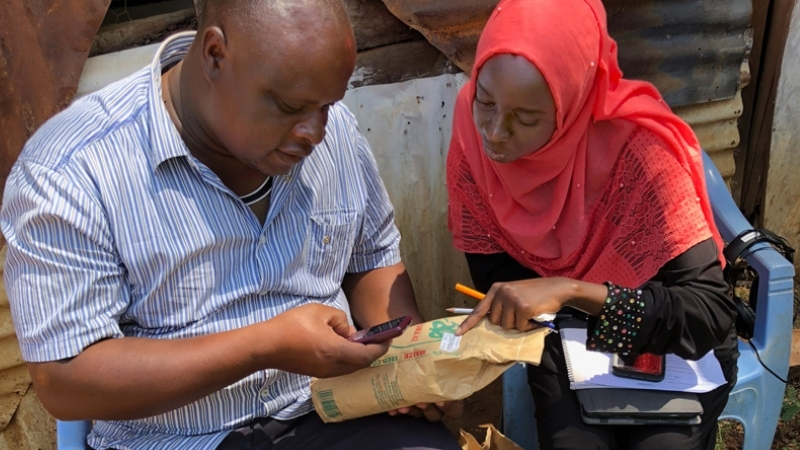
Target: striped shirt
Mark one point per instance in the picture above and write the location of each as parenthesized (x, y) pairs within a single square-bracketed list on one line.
[(114, 229)]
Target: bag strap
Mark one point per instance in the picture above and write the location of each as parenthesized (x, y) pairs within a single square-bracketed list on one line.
[(737, 247)]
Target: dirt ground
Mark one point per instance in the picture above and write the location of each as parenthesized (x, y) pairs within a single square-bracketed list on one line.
[(787, 436)]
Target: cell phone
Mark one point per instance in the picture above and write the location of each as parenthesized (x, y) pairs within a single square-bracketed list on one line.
[(640, 366), (382, 332)]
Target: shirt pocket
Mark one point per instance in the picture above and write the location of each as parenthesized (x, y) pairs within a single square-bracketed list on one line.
[(332, 237)]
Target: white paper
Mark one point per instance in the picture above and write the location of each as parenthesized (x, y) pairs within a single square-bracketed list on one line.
[(450, 342), (593, 369)]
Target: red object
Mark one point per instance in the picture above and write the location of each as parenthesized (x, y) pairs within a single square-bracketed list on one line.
[(648, 363), (619, 189)]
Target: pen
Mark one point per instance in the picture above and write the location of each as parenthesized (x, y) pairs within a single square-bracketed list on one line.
[(542, 317), (545, 320)]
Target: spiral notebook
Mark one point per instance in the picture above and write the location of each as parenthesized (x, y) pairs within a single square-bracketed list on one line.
[(588, 369)]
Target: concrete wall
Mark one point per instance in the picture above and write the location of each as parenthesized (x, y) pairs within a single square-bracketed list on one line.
[(782, 205)]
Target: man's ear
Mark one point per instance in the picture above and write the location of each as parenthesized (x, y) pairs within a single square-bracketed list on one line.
[(215, 52)]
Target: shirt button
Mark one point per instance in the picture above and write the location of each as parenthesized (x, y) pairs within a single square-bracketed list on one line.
[(263, 393), (287, 178), (262, 240), (326, 240)]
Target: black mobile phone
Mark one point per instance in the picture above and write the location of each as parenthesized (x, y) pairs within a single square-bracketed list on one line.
[(641, 366), (382, 332)]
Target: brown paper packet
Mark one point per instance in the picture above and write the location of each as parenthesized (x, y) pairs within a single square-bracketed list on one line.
[(427, 364), (495, 440)]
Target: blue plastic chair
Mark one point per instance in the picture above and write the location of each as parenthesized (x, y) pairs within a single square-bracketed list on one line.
[(72, 435), (757, 397)]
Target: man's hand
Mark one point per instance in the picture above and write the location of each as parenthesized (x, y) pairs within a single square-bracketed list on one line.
[(312, 340), (434, 412)]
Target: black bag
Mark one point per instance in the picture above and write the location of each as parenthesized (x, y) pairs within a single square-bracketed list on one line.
[(735, 253)]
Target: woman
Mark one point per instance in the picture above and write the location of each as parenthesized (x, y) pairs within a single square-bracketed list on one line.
[(571, 187)]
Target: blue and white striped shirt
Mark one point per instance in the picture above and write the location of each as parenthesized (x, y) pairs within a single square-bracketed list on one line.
[(114, 229)]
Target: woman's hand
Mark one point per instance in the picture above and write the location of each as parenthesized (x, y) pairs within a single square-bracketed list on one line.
[(512, 304)]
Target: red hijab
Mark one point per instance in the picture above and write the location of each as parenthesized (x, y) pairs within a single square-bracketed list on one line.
[(617, 191)]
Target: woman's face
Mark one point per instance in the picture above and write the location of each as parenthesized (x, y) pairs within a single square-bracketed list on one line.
[(514, 110)]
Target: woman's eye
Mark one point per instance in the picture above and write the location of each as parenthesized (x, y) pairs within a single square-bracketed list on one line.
[(528, 120), (484, 102)]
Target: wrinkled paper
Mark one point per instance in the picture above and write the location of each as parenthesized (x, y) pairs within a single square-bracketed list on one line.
[(427, 363), (495, 440)]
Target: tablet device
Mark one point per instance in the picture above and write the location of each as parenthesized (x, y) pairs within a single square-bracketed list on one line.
[(639, 407)]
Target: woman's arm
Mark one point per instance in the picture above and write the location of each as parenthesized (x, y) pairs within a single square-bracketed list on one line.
[(684, 310)]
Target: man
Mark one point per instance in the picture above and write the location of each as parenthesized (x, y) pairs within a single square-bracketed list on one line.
[(185, 245)]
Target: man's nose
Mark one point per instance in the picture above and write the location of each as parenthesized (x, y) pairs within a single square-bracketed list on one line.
[(312, 127)]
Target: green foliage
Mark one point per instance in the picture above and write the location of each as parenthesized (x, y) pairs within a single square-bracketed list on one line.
[(791, 404)]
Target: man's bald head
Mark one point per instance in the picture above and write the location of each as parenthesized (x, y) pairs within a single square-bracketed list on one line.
[(282, 29), (261, 76), (246, 13)]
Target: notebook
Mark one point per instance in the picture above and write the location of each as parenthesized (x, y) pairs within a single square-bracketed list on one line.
[(588, 369)]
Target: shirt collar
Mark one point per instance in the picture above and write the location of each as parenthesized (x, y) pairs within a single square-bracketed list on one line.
[(166, 142)]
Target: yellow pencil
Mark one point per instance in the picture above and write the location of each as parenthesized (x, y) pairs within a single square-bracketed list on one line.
[(469, 291)]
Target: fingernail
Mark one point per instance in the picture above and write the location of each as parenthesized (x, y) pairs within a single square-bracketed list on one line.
[(458, 331), (439, 404)]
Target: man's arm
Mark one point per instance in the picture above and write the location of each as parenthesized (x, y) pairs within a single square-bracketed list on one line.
[(130, 378), (381, 294)]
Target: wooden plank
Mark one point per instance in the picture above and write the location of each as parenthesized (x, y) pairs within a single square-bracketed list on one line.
[(754, 162), (782, 196), (127, 10), (116, 37), (794, 359), (375, 26), (399, 62), (758, 24)]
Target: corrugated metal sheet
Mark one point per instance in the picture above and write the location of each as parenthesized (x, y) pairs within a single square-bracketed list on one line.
[(715, 124), (692, 50)]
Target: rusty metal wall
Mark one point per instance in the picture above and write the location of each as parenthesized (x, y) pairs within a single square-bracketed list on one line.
[(692, 50), (43, 46)]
